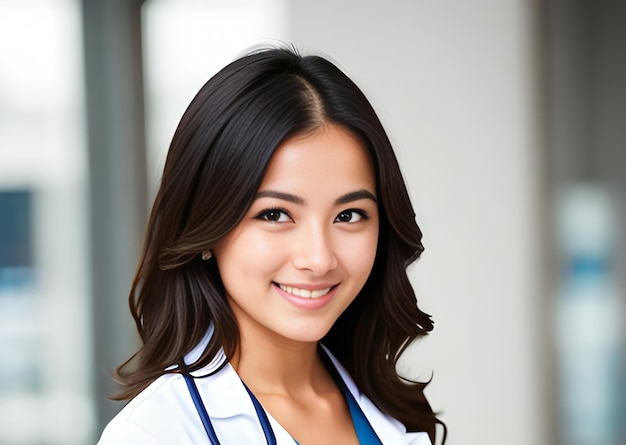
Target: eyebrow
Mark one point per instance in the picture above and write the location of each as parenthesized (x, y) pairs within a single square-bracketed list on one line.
[(344, 199), (355, 196)]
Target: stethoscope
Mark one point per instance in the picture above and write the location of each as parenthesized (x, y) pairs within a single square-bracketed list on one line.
[(206, 420), (270, 437)]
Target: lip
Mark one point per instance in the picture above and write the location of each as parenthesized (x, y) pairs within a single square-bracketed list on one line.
[(307, 303)]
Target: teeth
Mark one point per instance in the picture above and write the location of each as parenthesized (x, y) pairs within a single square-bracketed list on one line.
[(304, 293)]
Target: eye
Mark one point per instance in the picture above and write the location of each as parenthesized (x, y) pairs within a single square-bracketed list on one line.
[(274, 215), (351, 216)]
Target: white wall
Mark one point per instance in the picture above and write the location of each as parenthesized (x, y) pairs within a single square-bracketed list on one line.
[(185, 43), (452, 82)]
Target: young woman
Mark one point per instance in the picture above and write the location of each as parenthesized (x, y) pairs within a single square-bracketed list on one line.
[(272, 296)]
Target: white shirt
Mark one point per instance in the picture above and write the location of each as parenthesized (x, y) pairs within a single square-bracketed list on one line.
[(164, 412)]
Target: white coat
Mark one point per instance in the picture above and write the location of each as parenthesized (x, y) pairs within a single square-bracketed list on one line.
[(164, 412)]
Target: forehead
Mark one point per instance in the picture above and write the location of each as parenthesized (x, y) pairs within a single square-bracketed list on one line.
[(330, 160)]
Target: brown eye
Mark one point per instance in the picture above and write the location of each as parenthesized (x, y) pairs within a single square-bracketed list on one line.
[(274, 215), (350, 216)]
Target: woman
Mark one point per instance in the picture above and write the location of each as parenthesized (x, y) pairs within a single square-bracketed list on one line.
[(272, 297)]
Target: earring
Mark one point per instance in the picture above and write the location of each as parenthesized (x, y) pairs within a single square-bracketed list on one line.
[(207, 255)]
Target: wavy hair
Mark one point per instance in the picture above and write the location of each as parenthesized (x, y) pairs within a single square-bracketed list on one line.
[(215, 165)]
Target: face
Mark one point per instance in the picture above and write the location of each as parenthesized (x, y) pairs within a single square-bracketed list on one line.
[(307, 244)]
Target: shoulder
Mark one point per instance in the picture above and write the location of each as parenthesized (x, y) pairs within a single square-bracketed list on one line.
[(388, 429), (164, 413), (160, 414)]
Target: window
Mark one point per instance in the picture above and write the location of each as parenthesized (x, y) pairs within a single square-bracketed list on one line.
[(45, 369)]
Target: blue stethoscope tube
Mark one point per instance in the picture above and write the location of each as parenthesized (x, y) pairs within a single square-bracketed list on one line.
[(206, 421), (364, 430)]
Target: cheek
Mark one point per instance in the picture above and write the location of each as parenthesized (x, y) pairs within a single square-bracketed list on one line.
[(246, 254), (360, 254)]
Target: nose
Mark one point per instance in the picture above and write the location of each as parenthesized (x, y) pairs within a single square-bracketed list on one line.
[(314, 250)]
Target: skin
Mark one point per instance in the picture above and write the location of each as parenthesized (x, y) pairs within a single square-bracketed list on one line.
[(314, 226)]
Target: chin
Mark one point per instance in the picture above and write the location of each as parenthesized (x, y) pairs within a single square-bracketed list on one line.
[(308, 335)]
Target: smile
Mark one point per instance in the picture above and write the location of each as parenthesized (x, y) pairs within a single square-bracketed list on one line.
[(304, 293)]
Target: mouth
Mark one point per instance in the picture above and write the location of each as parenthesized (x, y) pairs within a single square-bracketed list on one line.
[(305, 293)]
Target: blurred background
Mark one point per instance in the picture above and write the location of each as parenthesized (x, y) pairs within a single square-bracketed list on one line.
[(509, 121)]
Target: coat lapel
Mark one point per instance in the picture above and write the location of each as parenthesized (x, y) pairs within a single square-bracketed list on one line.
[(231, 409), (388, 429)]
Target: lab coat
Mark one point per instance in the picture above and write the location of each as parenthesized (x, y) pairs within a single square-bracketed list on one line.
[(164, 412)]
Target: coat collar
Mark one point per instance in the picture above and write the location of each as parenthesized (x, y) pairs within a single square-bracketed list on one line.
[(388, 429), (225, 397)]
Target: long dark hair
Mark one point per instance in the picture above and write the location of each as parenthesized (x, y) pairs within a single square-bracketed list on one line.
[(214, 167)]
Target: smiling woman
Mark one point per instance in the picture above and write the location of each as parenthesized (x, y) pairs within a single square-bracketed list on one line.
[(272, 296), (309, 237)]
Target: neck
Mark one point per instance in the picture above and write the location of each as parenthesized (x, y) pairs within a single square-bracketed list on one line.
[(281, 367)]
